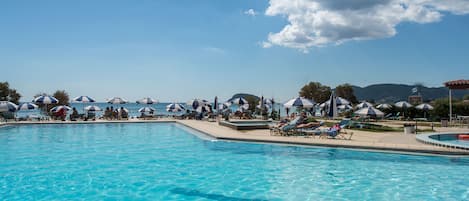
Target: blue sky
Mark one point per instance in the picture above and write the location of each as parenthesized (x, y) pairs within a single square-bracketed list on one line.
[(177, 50)]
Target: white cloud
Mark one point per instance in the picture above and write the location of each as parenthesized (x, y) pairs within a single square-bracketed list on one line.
[(250, 12), (214, 50), (317, 23)]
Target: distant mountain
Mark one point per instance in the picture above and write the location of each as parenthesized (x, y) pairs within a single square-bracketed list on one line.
[(397, 92)]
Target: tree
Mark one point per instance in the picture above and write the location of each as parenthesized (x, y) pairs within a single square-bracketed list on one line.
[(62, 96), (7, 94), (252, 101), (316, 91), (346, 91)]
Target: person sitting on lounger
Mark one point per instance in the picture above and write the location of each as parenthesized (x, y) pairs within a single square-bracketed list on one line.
[(74, 115), (294, 123), (309, 125), (123, 113)]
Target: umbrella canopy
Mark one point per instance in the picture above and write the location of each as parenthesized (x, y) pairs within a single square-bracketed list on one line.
[(239, 101), (338, 101), (84, 99), (196, 103), (243, 108), (324, 104), (364, 104), (117, 100), (266, 106), (403, 104), (268, 101), (424, 106), (384, 106), (92, 108), (46, 100), (224, 106), (344, 107), (147, 100), (299, 102), (342, 101), (332, 111), (124, 109), (204, 108), (27, 106), (7, 106), (369, 111), (175, 107), (57, 108), (146, 109)]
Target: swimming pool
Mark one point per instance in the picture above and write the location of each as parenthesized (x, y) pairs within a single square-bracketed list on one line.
[(166, 161), (445, 139)]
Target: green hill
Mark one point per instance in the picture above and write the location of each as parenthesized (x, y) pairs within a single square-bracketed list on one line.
[(397, 92), (245, 96)]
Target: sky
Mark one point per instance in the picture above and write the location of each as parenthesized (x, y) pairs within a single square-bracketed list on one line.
[(176, 50)]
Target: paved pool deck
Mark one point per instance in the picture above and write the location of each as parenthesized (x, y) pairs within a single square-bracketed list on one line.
[(392, 141)]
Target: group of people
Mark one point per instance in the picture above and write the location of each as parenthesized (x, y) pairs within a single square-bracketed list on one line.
[(111, 114), (60, 114)]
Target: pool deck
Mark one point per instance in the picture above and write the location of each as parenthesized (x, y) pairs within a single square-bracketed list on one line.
[(392, 141)]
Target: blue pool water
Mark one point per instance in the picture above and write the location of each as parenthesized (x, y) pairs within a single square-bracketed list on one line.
[(459, 142), (156, 161)]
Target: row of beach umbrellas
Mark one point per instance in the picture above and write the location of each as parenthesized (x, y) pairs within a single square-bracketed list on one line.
[(363, 108)]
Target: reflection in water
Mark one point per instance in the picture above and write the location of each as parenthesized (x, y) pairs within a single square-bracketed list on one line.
[(196, 193)]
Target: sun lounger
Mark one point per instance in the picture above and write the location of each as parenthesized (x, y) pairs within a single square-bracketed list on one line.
[(333, 132)]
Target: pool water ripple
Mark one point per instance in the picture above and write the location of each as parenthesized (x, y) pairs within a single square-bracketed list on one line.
[(163, 161)]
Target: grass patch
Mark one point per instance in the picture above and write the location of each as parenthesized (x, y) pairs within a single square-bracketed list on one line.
[(378, 129), (367, 127)]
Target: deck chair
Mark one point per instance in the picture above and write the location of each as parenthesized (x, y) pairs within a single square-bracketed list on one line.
[(286, 129)]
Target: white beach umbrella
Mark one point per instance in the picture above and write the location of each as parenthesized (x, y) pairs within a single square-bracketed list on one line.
[(204, 108), (424, 106), (196, 103), (344, 107), (364, 104), (123, 109), (323, 105), (7, 106), (384, 106), (239, 101), (27, 106), (243, 108), (147, 100), (268, 101), (57, 108), (175, 107), (84, 99), (342, 101), (403, 104), (92, 108), (46, 100), (146, 109), (224, 106), (266, 106), (117, 100), (299, 102), (369, 111)]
